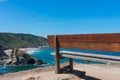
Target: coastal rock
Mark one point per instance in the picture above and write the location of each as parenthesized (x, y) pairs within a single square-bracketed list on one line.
[(19, 57), (3, 56)]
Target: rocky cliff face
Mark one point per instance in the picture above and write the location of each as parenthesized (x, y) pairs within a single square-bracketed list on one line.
[(3, 56), (19, 57)]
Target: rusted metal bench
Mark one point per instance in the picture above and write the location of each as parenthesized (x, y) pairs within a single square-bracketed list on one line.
[(104, 42)]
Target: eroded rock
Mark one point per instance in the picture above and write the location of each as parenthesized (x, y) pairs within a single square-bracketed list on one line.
[(19, 57)]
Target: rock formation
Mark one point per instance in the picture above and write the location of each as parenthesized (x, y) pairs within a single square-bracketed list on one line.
[(3, 56), (19, 57)]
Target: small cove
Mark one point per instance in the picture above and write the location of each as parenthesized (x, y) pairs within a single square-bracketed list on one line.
[(44, 54)]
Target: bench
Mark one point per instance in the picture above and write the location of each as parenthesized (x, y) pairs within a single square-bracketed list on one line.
[(103, 42)]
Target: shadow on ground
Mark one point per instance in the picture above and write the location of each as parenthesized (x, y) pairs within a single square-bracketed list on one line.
[(81, 74)]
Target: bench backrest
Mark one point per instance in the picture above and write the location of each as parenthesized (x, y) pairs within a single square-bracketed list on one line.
[(105, 42)]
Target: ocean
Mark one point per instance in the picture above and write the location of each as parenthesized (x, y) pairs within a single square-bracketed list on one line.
[(44, 54)]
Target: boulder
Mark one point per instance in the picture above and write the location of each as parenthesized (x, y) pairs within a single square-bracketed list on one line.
[(3, 56), (8, 62), (22, 58)]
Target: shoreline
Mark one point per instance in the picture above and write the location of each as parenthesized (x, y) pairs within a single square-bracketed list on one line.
[(93, 71), (8, 52)]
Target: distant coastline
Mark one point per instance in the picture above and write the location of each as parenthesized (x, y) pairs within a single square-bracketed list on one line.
[(12, 40), (23, 49)]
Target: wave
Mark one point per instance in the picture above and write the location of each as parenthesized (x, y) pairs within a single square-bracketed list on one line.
[(2, 67), (33, 51), (48, 64)]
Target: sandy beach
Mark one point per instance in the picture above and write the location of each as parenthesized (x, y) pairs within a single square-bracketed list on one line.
[(8, 52), (93, 72)]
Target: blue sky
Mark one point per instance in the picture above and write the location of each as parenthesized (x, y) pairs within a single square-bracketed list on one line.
[(46, 17)]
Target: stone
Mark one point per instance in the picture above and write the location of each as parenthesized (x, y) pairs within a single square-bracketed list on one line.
[(19, 57)]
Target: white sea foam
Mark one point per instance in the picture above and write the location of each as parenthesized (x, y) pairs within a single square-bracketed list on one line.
[(45, 64), (38, 51), (33, 51), (2, 67)]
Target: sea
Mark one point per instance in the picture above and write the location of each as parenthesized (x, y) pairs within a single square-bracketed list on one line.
[(44, 55)]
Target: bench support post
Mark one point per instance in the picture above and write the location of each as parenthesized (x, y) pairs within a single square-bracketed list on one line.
[(71, 64), (57, 57)]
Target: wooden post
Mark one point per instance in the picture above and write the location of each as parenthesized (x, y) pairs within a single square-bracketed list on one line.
[(57, 56), (71, 64)]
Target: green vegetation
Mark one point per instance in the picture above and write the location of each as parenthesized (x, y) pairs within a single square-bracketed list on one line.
[(10, 40)]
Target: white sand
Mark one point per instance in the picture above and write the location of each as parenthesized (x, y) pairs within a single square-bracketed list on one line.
[(93, 72), (8, 52)]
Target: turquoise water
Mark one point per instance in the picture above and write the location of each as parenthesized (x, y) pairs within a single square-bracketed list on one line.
[(49, 59)]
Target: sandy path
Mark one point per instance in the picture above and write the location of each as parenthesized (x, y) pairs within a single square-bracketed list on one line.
[(100, 72)]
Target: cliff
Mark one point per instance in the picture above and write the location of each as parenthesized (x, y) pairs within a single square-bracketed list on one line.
[(11, 40)]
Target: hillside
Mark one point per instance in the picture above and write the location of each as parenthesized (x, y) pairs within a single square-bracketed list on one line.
[(11, 40)]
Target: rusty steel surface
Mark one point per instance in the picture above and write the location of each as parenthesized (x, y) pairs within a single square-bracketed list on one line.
[(106, 42)]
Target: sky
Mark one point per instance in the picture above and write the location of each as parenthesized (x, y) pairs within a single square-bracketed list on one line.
[(51, 17)]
